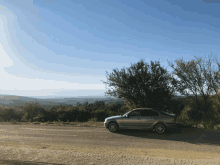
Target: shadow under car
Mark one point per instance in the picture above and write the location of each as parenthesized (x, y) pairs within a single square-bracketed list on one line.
[(190, 135)]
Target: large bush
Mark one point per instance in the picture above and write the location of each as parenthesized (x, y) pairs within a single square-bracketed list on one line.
[(9, 114), (204, 112), (33, 112), (100, 115)]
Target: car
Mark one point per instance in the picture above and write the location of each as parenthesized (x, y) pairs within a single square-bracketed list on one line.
[(142, 118)]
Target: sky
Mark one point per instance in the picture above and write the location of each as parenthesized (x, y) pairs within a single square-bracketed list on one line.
[(54, 48)]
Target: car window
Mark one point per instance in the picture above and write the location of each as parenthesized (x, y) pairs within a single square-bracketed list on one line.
[(126, 113), (135, 113), (149, 113)]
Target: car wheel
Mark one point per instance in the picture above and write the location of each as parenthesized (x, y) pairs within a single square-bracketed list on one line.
[(160, 128), (112, 127)]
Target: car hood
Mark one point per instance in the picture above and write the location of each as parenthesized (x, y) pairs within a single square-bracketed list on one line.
[(114, 117)]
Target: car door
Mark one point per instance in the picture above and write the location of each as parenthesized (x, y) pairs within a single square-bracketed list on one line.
[(132, 121), (148, 118)]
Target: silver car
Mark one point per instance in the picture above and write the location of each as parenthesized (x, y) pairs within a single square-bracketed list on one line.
[(142, 118)]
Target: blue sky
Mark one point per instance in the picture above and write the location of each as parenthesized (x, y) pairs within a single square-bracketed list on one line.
[(57, 48)]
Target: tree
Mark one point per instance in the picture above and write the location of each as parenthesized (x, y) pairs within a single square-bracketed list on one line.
[(141, 85), (197, 77), (32, 111), (9, 114)]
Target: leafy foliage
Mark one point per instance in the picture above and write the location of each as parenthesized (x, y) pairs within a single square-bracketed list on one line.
[(196, 76), (33, 112), (199, 78), (9, 114), (175, 106), (141, 85), (81, 112)]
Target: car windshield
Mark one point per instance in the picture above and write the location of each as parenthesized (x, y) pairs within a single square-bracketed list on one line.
[(126, 113)]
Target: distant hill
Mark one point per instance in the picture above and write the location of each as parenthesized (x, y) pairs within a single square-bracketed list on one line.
[(19, 101)]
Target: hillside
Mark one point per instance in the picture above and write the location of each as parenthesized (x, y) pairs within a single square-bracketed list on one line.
[(19, 101)]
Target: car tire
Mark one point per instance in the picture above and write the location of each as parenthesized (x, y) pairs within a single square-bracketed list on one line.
[(113, 127), (160, 128)]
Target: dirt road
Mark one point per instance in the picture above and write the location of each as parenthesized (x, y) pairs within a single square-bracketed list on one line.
[(89, 145)]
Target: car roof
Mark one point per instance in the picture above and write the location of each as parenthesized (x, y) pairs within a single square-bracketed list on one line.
[(154, 109)]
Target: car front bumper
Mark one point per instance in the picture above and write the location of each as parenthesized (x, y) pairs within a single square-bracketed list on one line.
[(105, 125)]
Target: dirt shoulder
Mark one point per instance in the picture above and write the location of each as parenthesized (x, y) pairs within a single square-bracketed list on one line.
[(68, 144)]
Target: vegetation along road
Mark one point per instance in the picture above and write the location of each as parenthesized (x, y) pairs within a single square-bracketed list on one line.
[(96, 145)]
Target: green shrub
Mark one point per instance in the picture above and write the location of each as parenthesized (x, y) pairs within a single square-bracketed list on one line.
[(13, 121), (95, 119), (1, 119), (100, 115)]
